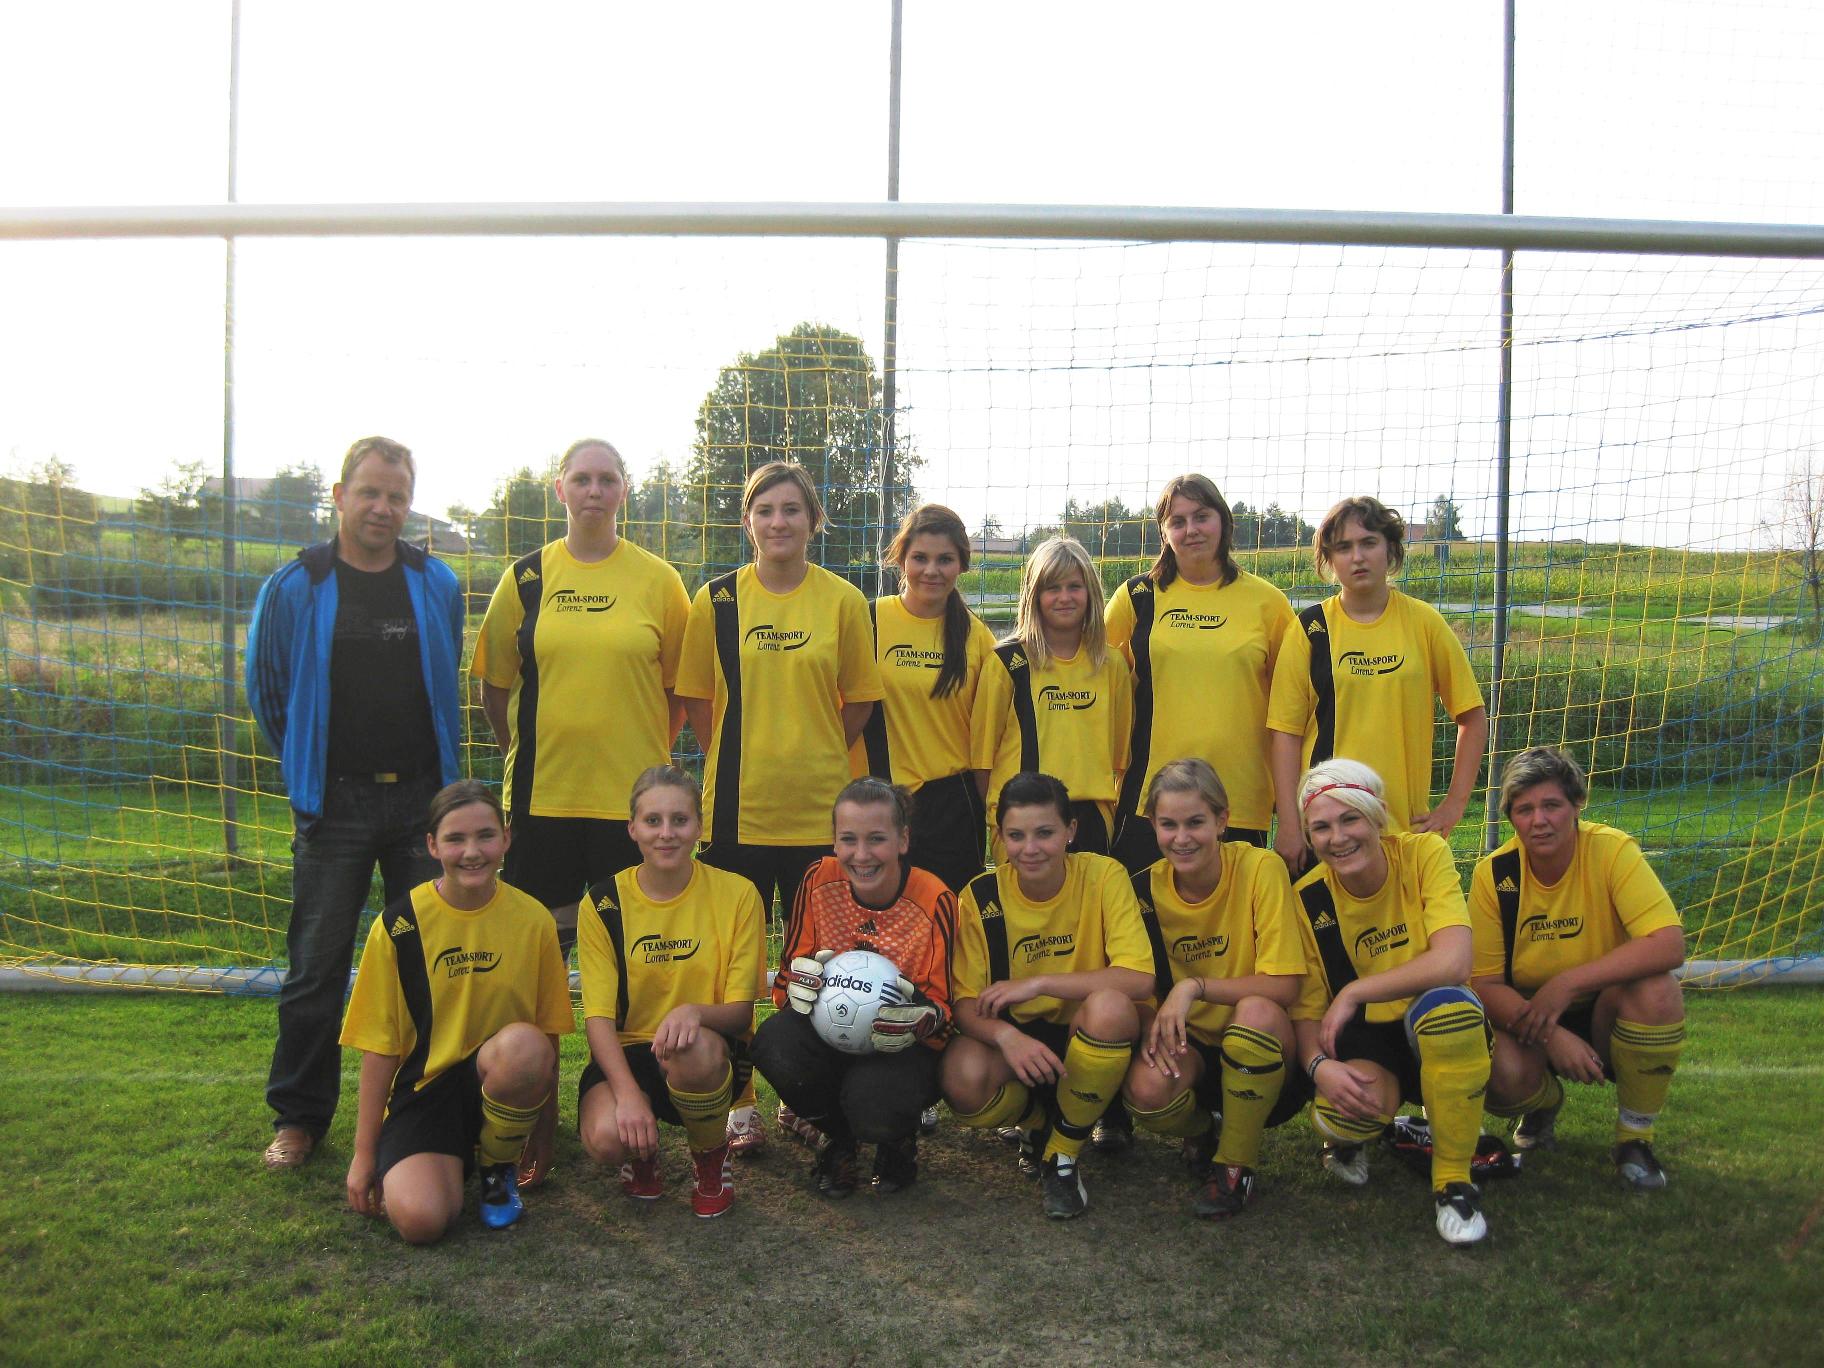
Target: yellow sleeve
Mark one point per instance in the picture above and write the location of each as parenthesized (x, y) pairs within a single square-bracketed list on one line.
[(1313, 996), (1291, 701), (1277, 947), (555, 1015), (1118, 621), (988, 718), (858, 671), (1451, 678), (1485, 922), (674, 616), (372, 1022), (1121, 714), (696, 675), (1440, 891), (969, 973), (1124, 939), (1641, 900), (596, 964), (749, 942), (496, 659)]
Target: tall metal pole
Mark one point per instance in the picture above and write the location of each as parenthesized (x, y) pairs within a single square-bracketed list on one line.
[(1504, 416), (225, 724), (889, 357)]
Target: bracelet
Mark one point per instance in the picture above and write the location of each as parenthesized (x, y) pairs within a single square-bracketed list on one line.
[(1311, 1069)]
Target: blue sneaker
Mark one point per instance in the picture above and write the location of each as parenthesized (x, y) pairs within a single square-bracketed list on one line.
[(500, 1204)]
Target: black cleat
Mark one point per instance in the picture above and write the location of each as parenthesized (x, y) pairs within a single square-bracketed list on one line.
[(1229, 1189), (834, 1168), (896, 1165), (1061, 1187), (1113, 1132), (1032, 1150), (1637, 1167)]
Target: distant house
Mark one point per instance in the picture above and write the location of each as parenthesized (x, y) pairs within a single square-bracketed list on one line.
[(255, 490), (983, 545)]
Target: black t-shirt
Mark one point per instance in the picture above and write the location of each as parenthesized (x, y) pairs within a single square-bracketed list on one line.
[(379, 712)]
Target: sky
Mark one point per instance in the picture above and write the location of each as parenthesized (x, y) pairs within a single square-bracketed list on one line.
[(1662, 400)]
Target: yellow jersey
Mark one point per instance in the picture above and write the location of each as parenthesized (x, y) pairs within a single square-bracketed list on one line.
[(924, 738), (1071, 720)]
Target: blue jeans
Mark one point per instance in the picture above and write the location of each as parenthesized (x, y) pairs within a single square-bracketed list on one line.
[(332, 868)]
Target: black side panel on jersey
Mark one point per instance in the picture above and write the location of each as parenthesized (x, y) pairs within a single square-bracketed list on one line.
[(987, 890), (1320, 908), (1014, 658), (874, 735), (1149, 918), (722, 601), (1506, 869), (1323, 681), (526, 577), (414, 986), (1143, 595), (605, 899)]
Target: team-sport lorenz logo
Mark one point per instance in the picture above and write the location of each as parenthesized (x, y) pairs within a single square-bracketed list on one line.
[(1378, 941), (1034, 948), (1059, 699), (456, 961), (1365, 666), (1187, 619), (912, 658), (1190, 949), (767, 637), (657, 949), (1543, 928), (569, 601)]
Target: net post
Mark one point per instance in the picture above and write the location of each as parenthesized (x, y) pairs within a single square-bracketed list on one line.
[(229, 769), (889, 347), (1504, 417)]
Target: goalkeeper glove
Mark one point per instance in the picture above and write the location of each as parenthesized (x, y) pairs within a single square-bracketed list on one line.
[(804, 980), (899, 1024)]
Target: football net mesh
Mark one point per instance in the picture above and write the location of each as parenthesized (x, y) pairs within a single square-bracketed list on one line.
[(1665, 527)]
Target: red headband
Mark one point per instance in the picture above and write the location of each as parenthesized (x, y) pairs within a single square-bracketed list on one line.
[(1319, 792)]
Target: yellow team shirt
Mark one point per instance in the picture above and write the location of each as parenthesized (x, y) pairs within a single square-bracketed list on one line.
[(801, 656), (1210, 658), (1387, 674), (1609, 896), (1083, 716), (1421, 897), (481, 971), (927, 738), (704, 946), (1093, 922), (1247, 925), (605, 649)]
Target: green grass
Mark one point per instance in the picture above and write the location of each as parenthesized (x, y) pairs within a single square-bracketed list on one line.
[(138, 1227)]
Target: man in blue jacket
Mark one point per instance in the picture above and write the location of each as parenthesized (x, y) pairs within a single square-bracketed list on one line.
[(352, 660)]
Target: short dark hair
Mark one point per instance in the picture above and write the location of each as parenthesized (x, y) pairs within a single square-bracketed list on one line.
[(1032, 789), (393, 453), (1201, 490), (1374, 516), (1542, 765)]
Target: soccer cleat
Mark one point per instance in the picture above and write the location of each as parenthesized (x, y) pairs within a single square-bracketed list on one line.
[(1061, 1188), (746, 1132), (1460, 1219), (1113, 1132), (714, 1192), (641, 1178), (896, 1165), (1032, 1150), (1637, 1167), (927, 1121), (1008, 1134), (834, 1168), (500, 1204), (1538, 1130), (1347, 1162), (797, 1127), (1229, 1189), (1197, 1151)]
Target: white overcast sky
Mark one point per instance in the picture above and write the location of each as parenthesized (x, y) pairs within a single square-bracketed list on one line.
[(1651, 405)]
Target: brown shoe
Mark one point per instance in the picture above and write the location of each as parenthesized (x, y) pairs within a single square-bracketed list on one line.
[(290, 1147)]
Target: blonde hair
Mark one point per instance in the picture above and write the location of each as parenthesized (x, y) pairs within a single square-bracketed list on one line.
[(1049, 565), (778, 472), (664, 776), (1192, 775), (1351, 783)]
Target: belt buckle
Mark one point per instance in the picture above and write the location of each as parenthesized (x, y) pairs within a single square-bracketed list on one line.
[(387, 778)]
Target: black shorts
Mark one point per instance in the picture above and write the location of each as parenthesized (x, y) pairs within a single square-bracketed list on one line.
[(770, 869), (556, 859), (948, 821), (1383, 1043), (1092, 830), (651, 1078), (1294, 1092), (442, 1117)]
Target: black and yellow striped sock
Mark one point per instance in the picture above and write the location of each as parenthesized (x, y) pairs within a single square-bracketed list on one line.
[(705, 1114), (1344, 1130), (1645, 1058), (1550, 1093), (1011, 1105), (1253, 1072), (504, 1130), (1179, 1119), (1093, 1070), (1452, 1042)]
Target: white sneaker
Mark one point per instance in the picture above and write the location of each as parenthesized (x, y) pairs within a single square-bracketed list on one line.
[(1347, 1162), (746, 1131), (1460, 1219), (927, 1121)]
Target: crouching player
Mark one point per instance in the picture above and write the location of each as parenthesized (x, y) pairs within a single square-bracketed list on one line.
[(1576, 941), (457, 1008), (864, 897), (1228, 936), (669, 952), (1382, 1018), (1055, 942)]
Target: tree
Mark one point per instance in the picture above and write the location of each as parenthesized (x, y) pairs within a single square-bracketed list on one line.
[(49, 532), (991, 527), (1800, 531), (524, 516), (1263, 529), (181, 503), (1111, 528), (293, 510), (658, 514), (812, 397), (1443, 524)]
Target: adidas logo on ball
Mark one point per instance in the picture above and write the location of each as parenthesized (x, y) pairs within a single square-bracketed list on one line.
[(855, 987)]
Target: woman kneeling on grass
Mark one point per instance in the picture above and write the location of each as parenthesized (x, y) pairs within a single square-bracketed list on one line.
[(1576, 941), (1055, 942), (669, 952), (457, 1007), (1228, 929), (1383, 1017)]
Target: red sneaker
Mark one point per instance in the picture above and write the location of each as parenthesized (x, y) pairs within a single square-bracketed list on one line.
[(715, 1189), (641, 1179)]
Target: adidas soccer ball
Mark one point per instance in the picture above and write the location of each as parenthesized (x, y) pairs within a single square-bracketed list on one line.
[(856, 985)]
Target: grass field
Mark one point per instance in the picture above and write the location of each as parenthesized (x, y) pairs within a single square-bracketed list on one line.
[(139, 1227)]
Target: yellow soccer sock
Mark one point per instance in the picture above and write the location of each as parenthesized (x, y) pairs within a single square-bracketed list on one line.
[(1450, 1033), (1093, 1070), (1334, 1126), (1179, 1119), (1011, 1105), (1644, 1057), (504, 1130), (1253, 1072), (1550, 1093), (705, 1114)]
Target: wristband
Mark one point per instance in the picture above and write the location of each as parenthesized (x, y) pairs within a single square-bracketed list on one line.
[(1311, 1069)]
